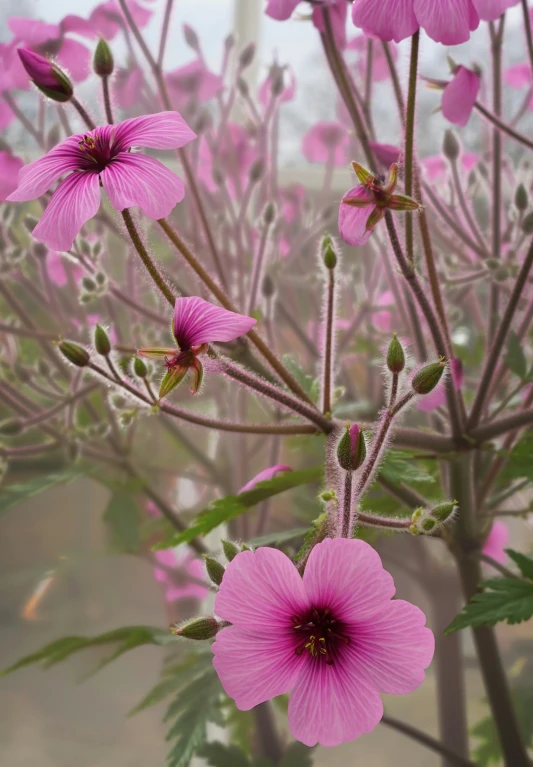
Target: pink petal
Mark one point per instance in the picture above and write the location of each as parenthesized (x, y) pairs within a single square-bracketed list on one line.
[(79, 26), (12, 73), (75, 58), (9, 169), (199, 322), (136, 180), (447, 21), (107, 18), (74, 202), (261, 589), (264, 475), (338, 10), (6, 115), (164, 130), (386, 19), (56, 269), (386, 154), (326, 142), (352, 221), (281, 10), (490, 10), (434, 166), (518, 76), (255, 665), (347, 576), (127, 86), (193, 82), (33, 32), (460, 96), (394, 648), (497, 542), (333, 704), (35, 178)]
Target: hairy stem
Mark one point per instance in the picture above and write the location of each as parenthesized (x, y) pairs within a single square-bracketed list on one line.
[(327, 380), (409, 142), (147, 260)]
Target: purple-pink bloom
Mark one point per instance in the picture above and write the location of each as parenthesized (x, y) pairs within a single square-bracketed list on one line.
[(46, 75), (182, 582), (233, 159), (326, 142), (338, 10), (107, 18), (497, 541), (386, 154), (192, 83), (103, 156), (9, 168), (460, 95), (264, 475), (334, 639), (353, 220)]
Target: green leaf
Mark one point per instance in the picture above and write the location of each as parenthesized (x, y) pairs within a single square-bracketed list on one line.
[(502, 599), (515, 358), (223, 509), (127, 638), (309, 383), (519, 462), (399, 466), (488, 752), (297, 755), (124, 519), (10, 495), (282, 536), (525, 564), (219, 755)]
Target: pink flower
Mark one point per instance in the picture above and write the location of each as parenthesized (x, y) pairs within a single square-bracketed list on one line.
[(127, 86), (445, 21), (518, 76), (178, 583), (386, 154), (279, 76), (436, 166), (490, 10), (333, 639), (56, 271), (103, 156), (496, 542), (107, 19), (264, 475), (380, 67), (281, 10), (338, 10), (9, 168), (383, 318), (196, 324), (292, 198), (192, 83), (460, 95), (12, 73), (326, 142)]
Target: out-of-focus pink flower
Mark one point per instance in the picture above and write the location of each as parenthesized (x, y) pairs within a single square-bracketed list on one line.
[(196, 324), (338, 10), (107, 18), (13, 76), (181, 583), (9, 168), (380, 67), (497, 541), (283, 79), (192, 83), (56, 271), (326, 142), (445, 21), (435, 166), (334, 639), (460, 95), (102, 156), (292, 198), (383, 319), (518, 76), (490, 10), (264, 475), (437, 397), (386, 154), (127, 85), (233, 159)]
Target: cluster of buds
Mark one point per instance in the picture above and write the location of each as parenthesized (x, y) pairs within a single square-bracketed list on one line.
[(428, 521)]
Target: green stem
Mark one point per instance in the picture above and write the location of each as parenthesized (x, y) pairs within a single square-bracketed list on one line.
[(107, 100), (89, 122), (409, 142), (146, 258), (345, 525), (426, 740), (328, 343)]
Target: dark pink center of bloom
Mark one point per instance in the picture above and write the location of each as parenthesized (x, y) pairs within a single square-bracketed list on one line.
[(320, 634), (182, 359), (98, 153)]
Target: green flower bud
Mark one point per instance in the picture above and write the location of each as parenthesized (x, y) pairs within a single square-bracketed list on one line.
[(230, 550), (395, 356), (521, 198), (327, 249), (257, 170), (427, 521), (101, 341), (214, 569), (443, 511), (74, 353), (351, 450), (89, 284), (197, 628), (428, 377), (103, 63), (269, 213), (451, 147), (268, 288), (139, 368), (527, 224), (10, 427)]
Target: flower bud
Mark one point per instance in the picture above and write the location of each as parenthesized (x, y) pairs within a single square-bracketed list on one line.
[(197, 628), (74, 353), (139, 368), (268, 288), (10, 427), (247, 56), (327, 249), (501, 274), (48, 78), (191, 38), (269, 213), (257, 170), (427, 521), (89, 284), (101, 341), (244, 88), (214, 569), (229, 42), (103, 63), (428, 377), (395, 356), (328, 495), (451, 147), (521, 199), (443, 511), (527, 224), (351, 450), (230, 550)]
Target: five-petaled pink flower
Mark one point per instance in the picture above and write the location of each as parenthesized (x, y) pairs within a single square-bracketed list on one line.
[(333, 639), (103, 157), (197, 323)]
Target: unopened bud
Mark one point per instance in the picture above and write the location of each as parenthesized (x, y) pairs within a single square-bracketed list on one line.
[(269, 213), (395, 356), (327, 249), (89, 284), (191, 38), (427, 521), (74, 353), (268, 287), (247, 56), (351, 450), (328, 495), (521, 198), (451, 147), (10, 427), (103, 63), (244, 88), (501, 274), (443, 511), (527, 224), (277, 83), (257, 170), (139, 368), (428, 377), (230, 550), (101, 341), (229, 42), (197, 628), (48, 78), (492, 263), (214, 569)]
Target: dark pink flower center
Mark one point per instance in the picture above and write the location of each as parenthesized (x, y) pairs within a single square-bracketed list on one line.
[(320, 634), (182, 359), (98, 153)]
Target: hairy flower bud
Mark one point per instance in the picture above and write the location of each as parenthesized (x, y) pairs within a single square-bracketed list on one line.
[(395, 356), (103, 63), (197, 628), (428, 377), (101, 341), (48, 78), (521, 198), (427, 521), (74, 353), (268, 287), (230, 550), (327, 249), (451, 147), (139, 368), (10, 427), (351, 449), (247, 56), (214, 569)]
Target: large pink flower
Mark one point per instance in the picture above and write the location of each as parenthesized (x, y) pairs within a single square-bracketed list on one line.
[(333, 639), (103, 157), (460, 95), (9, 168)]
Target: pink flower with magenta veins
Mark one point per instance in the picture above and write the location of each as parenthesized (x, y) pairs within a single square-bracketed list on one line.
[(196, 324), (334, 638)]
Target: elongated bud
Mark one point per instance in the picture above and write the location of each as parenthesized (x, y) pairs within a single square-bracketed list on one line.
[(191, 38), (229, 42), (50, 80), (139, 368), (247, 56), (74, 353), (327, 249), (428, 521), (197, 628), (451, 147), (101, 341), (443, 511), (257, 170), (268, 287), (395, 356), (521, 198), (103, 63), (215, 570), (428, 377), (269, 213), (230, 550), (527, 224), (10, 427), (351, 450)]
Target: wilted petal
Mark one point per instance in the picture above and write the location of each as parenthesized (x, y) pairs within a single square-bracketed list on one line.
[(386, 19), (164, 130), (136, 180), (39, 175), (353, 220), (447, 21), (460, 95), (199, 322), (74, 202)]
